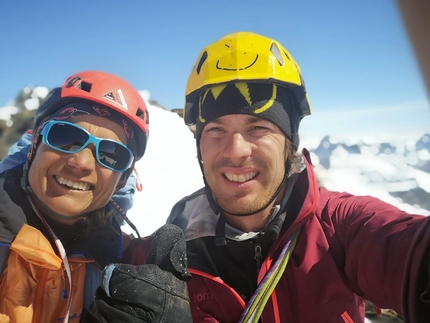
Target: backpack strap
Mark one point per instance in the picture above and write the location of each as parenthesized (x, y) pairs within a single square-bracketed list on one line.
[(4, 254)]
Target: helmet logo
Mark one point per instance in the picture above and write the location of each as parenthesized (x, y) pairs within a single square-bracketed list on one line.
[(69, 112), (102, 112), (127, 129), (234, 59), (118, 97)]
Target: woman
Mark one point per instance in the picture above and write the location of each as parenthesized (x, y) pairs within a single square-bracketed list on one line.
[(56, 228)]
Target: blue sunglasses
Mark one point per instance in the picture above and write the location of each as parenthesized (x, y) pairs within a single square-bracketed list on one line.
[(69, 138)]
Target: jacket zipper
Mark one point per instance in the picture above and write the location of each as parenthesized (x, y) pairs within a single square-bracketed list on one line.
[(39, 297), (258, 256)]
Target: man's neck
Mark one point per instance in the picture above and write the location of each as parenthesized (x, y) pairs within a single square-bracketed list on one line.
[(250, 223)]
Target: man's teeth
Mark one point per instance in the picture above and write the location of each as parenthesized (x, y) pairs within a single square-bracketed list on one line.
[(74, 185), (240, 178)]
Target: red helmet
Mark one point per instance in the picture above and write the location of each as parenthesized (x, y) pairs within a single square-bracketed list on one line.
[(106, 89)]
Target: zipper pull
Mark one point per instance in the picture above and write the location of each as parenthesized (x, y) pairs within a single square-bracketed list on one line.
[(65, 292), (258, 256)]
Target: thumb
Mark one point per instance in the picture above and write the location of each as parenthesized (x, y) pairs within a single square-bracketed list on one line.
[(169, 251)]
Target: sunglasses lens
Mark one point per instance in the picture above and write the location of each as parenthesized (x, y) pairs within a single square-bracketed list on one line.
[(70, 138), (113, 155), (66, 137)]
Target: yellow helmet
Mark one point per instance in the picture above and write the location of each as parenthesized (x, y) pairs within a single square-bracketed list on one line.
[(244, 57)]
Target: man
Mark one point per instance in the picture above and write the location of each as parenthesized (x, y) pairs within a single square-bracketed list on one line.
[(262, 238), (264, 242)]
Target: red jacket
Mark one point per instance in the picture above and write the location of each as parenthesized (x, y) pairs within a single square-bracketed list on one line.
[(350, 248)]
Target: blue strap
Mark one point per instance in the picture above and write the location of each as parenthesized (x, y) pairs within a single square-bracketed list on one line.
[(92, 281)]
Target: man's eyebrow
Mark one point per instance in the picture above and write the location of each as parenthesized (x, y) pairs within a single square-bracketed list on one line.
[(250, 119), (217, 121), (254, 119)]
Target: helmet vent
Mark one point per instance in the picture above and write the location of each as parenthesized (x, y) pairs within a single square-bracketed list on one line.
[(202, 60), (277, 53), (79, 84), (142, 114), (85, 86), (73, 81)]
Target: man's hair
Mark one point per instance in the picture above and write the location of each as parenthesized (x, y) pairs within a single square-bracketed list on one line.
[(291, 154)]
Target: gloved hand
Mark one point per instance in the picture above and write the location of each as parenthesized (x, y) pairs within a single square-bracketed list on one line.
[(154, 292)]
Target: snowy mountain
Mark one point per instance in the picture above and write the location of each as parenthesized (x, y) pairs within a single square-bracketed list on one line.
[(395, 168), (392, 167), (27, 99)]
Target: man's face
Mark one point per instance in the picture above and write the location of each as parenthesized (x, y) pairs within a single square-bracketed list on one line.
[(243, 161), (72, 184)]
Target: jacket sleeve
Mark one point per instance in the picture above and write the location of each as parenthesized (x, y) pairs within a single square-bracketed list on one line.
[(386, 252), (200, 316), (17, 154), (137, 251)]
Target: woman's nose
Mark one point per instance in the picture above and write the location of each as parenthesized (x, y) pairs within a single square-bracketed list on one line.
[(83, 161)]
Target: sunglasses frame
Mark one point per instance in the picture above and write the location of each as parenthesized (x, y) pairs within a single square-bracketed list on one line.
[(91, 140)]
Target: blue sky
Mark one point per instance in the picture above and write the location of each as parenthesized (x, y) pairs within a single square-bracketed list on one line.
[(354, 55)]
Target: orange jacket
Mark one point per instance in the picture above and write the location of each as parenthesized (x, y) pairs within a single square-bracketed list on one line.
[(32, 285)]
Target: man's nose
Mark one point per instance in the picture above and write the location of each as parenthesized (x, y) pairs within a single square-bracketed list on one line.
[(237, 147)]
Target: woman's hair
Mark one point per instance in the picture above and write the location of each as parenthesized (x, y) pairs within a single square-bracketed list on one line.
[(98, 219)]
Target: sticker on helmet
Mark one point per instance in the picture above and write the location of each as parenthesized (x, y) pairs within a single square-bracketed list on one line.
[(118, 97)]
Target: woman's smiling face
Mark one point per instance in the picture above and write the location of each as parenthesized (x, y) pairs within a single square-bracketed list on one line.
[(73, 184)]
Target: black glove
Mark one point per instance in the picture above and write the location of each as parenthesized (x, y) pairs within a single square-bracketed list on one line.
[(155, 292)]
